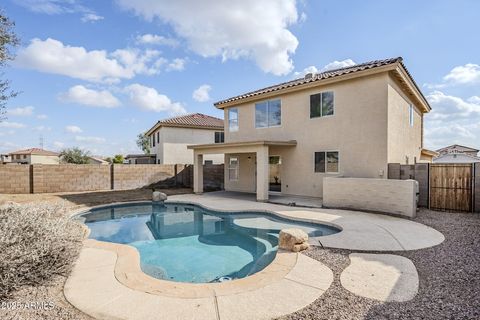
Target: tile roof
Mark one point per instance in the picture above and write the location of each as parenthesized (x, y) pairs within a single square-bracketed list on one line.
[(319, 76), (36, 151), (457, 147), (197, 120)]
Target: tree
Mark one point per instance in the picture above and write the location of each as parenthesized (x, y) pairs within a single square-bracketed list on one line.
[(118, 158), (8, 40), (75, 155), (143, 142)]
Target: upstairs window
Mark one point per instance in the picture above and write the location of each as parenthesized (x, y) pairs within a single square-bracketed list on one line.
[(268, 114), (322, 104), (326, 162), (219, 137), (153, 137), (410, 115), (233, 119)]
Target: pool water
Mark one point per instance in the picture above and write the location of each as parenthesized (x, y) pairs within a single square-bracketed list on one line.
[(186, 243)]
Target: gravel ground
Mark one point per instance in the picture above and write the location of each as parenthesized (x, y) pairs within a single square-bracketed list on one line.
[(449, 277)]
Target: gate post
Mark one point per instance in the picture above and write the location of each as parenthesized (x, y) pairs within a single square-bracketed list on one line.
[(476, 187)]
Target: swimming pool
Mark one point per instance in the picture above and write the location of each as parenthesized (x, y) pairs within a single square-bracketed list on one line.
[(187, 243)]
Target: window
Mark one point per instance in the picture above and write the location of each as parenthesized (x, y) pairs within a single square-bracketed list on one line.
[(153, 136), (208, 162), (158, 136), (321, 104), (326, 161), (268, 114), (219, 137), (233, 119), (233, 166), (410, 115), (24, 156)]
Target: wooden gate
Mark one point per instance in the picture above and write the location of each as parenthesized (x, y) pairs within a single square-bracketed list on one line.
[(451, 187)]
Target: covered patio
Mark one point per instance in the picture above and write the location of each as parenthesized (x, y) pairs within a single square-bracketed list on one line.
[(247, 172)]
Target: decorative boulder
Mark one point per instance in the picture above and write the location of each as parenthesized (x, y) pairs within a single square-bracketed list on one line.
[(293, 240), (159, 196)]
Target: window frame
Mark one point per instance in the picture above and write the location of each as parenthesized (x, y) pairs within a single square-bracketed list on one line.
[(267, 114), (229, 111), (326, 162), (321, 104), (411, 113), (236, 168), (221, 136)]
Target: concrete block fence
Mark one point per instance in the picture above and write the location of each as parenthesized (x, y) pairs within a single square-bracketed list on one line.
[(42, 178)]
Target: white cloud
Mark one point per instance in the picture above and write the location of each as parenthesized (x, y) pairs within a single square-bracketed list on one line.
[(451, 108), (201, 94), (330, 66), (452, 120), (89, 97), (21, 111), (338, 64), (154, 39), (91, 17), (176, 65), (11, 125), (95, 140), (252, 29), (52, 56), (467, 74), (73, 129), (58, 144), (49, 6), (42, 128), (149, 99), (42, 117)]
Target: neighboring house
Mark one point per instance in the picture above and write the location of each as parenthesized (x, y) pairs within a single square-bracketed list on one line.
[(5, 158), (350, 122), (140, 159), (35, 156), (169, 138), (456, 148), (97, 160), (457, 154)]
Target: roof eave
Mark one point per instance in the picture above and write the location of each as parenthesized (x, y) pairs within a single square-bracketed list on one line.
[(160, 124), (308, 85)]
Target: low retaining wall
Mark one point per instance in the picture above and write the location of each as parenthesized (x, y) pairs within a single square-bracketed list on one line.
[(379, 195), (46, 178)]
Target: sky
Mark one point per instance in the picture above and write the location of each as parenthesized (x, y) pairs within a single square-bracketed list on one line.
[(94, 74)]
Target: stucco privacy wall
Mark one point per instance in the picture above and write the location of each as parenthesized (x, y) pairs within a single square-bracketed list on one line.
[(14, 179), (380, 195), (70, 177)]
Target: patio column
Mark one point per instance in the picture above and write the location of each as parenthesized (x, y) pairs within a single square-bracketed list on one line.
[(262, 174), (197, 172)]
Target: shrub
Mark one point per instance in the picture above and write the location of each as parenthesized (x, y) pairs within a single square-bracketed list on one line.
[(37, 243)]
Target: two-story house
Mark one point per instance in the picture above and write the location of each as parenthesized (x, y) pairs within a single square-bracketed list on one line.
[(170, 137), (34, 156), (346, 122)]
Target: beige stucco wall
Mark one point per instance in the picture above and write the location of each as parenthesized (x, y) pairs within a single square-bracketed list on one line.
[(357, 130), (380, 195), (37, 159), (246, 177), (172, 147), (403, 140)]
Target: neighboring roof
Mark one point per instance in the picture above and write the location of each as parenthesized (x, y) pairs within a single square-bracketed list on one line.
[(194, 120), (140, 155), (309, 78), (456, 158), (458, 147), (36, 151)]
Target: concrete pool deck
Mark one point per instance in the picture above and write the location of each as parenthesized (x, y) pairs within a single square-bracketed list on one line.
[(107, 282)]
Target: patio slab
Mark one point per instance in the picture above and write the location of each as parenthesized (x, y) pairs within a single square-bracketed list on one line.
[(383, 277), (283, 287), (360, 230)]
